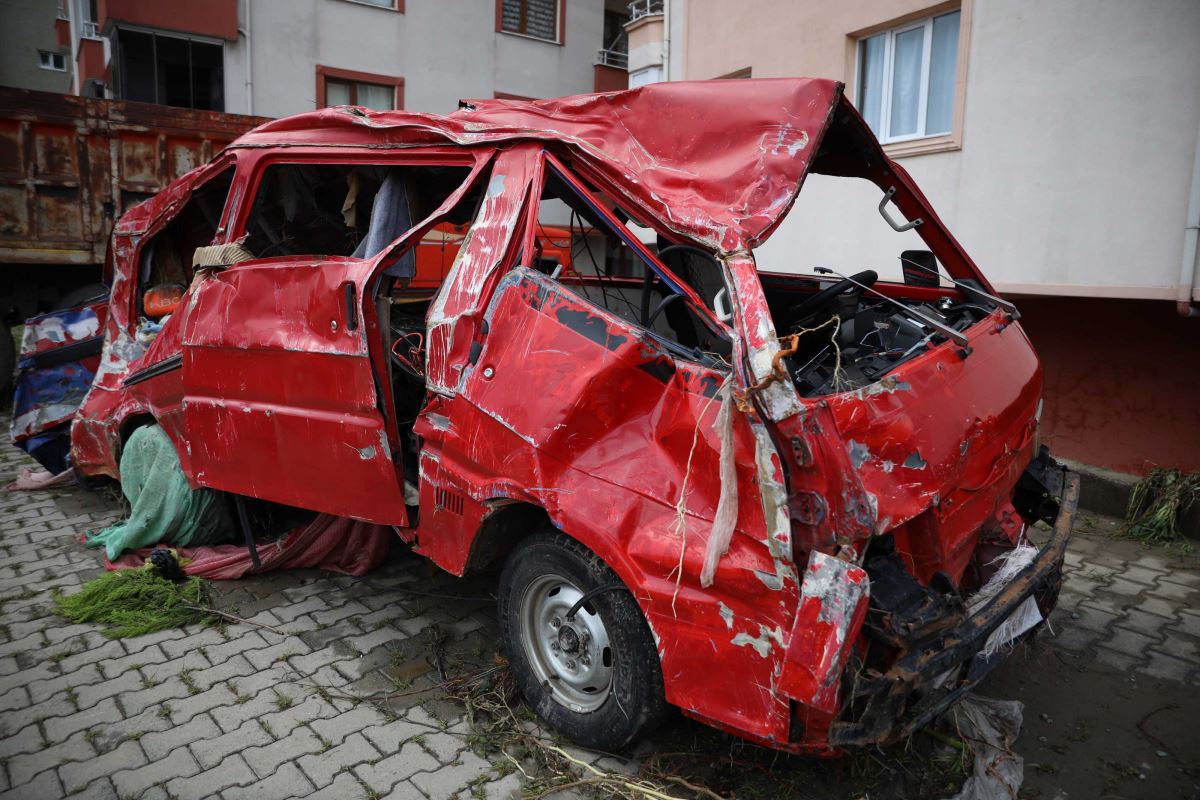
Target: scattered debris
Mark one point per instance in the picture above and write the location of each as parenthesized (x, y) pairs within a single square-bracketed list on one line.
[(33, 480), (137, 601), (1157, 502), (988, 728)]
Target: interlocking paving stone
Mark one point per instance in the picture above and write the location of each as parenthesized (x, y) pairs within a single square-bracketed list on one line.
[(77, 776), (287, 782), (103, 699), (322, 766), (386, 773), (179, 763)]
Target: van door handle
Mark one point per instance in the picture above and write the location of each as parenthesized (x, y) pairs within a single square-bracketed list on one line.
[(351, 311)]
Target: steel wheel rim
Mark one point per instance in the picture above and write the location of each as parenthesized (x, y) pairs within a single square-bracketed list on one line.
[(571, 658)]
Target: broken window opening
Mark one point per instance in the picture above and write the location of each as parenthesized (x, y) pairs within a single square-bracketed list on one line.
[(165, 268), (597, 259), (826, 287), (402, 305), (352, 210)]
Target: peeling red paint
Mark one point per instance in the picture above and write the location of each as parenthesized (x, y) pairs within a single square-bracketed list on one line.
[(537, 397)]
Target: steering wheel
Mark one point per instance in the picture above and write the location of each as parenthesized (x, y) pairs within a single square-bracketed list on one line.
[(811, 305)]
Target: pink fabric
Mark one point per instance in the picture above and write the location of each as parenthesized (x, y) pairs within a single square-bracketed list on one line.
[(31, 480), (336, 544)]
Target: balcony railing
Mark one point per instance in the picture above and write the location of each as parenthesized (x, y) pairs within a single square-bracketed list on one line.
[(612, 58), (91, 30), (644, 8)]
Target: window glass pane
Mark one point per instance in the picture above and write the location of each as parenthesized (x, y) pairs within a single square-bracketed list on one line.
[(380, 98), (870, 80), (541, 19), (208, 77), (906, 81), (337, 93), (380, 3), (137, 66), (174, 76), (510, 15), (943, 58)]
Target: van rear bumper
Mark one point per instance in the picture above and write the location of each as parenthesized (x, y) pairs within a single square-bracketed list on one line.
[(916, 689)]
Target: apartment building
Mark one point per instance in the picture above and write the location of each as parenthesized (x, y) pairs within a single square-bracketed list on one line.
[(277, 57), (1059, 141)]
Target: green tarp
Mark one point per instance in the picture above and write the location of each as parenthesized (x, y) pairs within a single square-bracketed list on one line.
[(164, 509)]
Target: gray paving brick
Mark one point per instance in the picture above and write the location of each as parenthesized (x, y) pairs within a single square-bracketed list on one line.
[(138, 700), (240, 643), (211, 752), (99, 789), (287, 782), (1164, 666), (276, 653), (179, 763), (116, 667), (358, 719), (1075, 639), (344, 786), (111, 649), (43, 689), (330, 616), (288, 719), (1121, 662), (252, 699), (266, 759), (26, 740), (91, 694), (288, 613), (136, 644), (1130, 642), (1174, 591), (506, 788), (191, 661), (1142, 622), (1183, 578), (1189, 622), (78, 776), (233, 771), (235, 667), (14, 698), (197, 637), (24, 766), (383, 775), (158, 745), (451, 778), (404, 790), (60, 728), (45, 785), (322, 766)]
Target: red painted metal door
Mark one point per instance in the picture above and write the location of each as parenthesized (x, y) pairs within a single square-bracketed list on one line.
[(280, 401)]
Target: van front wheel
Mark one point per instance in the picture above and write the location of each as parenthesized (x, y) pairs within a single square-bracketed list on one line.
[(593, 676)]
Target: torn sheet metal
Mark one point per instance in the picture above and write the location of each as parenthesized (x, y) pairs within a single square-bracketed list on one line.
[(833, 604)]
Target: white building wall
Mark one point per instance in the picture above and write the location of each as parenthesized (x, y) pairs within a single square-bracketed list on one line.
[(444, 51)]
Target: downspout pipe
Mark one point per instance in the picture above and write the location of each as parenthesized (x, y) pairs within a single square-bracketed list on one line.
[(1184, 303), (249, 60)]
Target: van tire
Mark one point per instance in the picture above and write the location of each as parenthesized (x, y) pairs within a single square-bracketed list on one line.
[(633, 701)]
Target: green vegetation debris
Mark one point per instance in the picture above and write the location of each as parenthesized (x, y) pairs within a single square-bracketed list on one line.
[(137, 601), (1157, 502)]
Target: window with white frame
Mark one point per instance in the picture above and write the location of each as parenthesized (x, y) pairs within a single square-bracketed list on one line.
[(52, 61), (906, 78)]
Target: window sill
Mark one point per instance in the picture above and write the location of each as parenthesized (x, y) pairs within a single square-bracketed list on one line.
[(525, 36), (920, 147), (396, 8)]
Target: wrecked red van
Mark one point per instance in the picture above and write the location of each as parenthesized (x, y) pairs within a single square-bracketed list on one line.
[(795, 505)]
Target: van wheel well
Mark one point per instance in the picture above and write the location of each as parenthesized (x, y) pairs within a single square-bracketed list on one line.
[(501, 531), (131, 424)]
